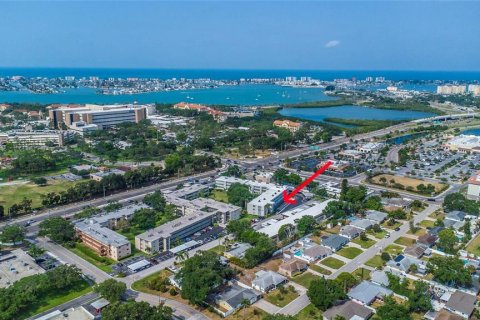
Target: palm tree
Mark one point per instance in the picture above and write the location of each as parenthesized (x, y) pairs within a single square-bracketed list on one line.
[(245, 304)]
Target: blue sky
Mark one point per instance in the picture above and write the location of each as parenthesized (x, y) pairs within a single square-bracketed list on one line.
[(242, 35)]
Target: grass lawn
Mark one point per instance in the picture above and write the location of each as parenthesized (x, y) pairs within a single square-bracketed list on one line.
[(364, 244), (319, 269), (219, 195), (404, 241), (393, 249), (54, 299), (15, 193), (474, 246), (395, 225), (309, 312), (378, 235), (362, 272), (305, 279), (218, 250), (427, 223), (349, 252), (418, 232), (375, 262), (91, 256), (140, 285), (276, 297), (332, 263), (406, 182)]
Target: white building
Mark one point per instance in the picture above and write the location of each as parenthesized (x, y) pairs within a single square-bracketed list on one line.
[(474, 89), (473, 191), (33, 139), (266, 203), (451, 89), (464, 143)]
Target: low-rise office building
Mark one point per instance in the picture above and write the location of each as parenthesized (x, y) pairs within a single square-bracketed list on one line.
[(473, 191), (35, 139), (266, 203)]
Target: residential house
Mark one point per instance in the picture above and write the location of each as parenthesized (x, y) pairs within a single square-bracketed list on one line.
[(396, 203), (291, 126), (376, 216), (456, 215), (379, 277), (363, 224), (435, 230), (367, 292), (461, 303), (267, 280), (350, 232), (334, 242), (232, 298), (315, 252), (403, 264), (237, 251), (291, 267), (417, 250), (427, 240), (348, 310)]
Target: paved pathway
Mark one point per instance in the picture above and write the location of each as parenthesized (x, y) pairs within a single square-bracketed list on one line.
[(266, 306)]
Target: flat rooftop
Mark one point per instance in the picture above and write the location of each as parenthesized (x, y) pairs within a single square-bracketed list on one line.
[(16, 265), (102, 234), (168, 229), (311, 209)]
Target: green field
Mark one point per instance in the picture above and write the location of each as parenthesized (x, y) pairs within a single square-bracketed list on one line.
[(427, 223), (364, 244), (219, 195), (309, 312), (393, 249), (319, 269), (140, 285), (474, 246), (349, 252), (218, 250), (362, 272), (375, 262), (15, 193), (378, 235), (279, 299), (404, 241), (54, 299), (332, 263), (304, 279)]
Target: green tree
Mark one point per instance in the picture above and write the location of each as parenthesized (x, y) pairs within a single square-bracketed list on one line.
[(200, 275), (57, 229), (278, 317), (112, 206), (449, 271), (144, 218), (286, 232), (111, 290), (133, 310), (374, 203), (239, 195), (12, 234), (156, 200), (306, 225), (419, 300), (392, 310), (233, 171), (447, 241), (323, 293), (41, 181)]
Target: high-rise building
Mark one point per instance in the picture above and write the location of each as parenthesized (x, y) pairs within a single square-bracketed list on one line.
[(474, 89), (451, 89)]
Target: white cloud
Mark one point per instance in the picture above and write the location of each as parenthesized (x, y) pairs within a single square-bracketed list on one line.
[(332, 44)]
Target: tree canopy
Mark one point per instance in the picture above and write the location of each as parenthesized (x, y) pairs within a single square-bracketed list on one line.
[(323, 293), (111, 290), (133, 310), (200, 275), (449, 270), (57, 229)]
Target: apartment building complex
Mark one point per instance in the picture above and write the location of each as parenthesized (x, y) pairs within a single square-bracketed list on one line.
[(96, 233), (103, 116), (291, 126), (35, 139), (473, 190), (162, 238), (451, 89)]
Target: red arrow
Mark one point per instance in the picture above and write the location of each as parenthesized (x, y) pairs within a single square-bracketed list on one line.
[(290, 198)]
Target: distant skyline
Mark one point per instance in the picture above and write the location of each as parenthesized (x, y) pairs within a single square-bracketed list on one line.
[(440, 36)]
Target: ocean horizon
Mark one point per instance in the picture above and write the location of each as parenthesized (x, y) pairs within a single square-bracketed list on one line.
[(234, 74)]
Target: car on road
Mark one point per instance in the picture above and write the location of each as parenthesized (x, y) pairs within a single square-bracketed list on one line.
[(397, 229), (387, 235)]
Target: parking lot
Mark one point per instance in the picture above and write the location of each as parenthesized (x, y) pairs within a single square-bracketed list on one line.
[(204, 236)]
